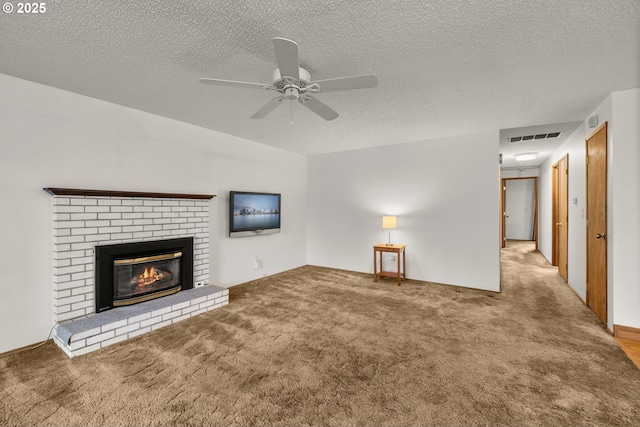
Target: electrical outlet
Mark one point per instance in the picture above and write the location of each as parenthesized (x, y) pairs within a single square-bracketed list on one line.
[(258, 263), (199, 285)]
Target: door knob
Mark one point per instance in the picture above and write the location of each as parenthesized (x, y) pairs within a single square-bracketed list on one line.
[(601, 236)]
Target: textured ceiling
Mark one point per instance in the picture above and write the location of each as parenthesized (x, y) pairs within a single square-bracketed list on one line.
[(444, 67)]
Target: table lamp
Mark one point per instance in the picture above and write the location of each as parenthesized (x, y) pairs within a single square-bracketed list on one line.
[(389, 223)]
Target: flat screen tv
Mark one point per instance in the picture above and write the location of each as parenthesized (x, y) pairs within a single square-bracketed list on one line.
[(253, 213)]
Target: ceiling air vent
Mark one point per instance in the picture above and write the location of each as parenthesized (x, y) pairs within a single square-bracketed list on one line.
[(532, 137)]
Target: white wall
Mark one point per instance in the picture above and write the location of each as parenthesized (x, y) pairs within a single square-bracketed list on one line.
[(443, 191), (574, 146), (53, 138), (625, 176)]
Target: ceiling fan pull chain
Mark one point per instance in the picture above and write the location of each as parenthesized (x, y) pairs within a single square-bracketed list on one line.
[(291, 103)]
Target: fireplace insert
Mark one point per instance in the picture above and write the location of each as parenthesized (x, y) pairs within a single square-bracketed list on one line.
[(130, 273)]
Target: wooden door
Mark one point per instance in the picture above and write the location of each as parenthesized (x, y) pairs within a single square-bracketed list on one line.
[(596, 166), (554, 214), (563, 217)]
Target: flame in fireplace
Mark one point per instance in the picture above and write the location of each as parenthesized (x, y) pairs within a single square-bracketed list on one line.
[(149, 276)]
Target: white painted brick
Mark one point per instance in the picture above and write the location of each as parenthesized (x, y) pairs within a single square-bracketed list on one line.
[(161, 311), (197, 312), (62, 217), (213, 307), (84, 231), (121, 208), (61, 309), (81, 290), (181, 318), (62, 294), (153, 227), (105, 230), (83, 202), (97, 238), (171, 226), (139, 332), (61, 248), (143, 209), (187, 214), (198, 300), (69, 284), (170, 214), (222, 299), (121, 222), (152, 215), (109, 215), (195, 209), (171, 315), (115, 340), (207, 304), (202, 214), (142, 235), (180, 306), (179, 209), (128, 328), (77, 345), (132, 229), (69, 239), (187, 226), (138, 318), (85, 334), (170, 203), (83, 246), (160, 325), (225, 292), (96, 209), (214, 295), (162, 233), (83, 304), (110, 202), (195, 220), (69, 209), (70, 270), (190, 309), (99, 223), (58, 263), (83, 275), (152, 202), (178, 233), (134, 215), (68, 300), (83, 216), (122, 236), (84, 260), (151, 321), (113, 325), (131, 202), (68, 224), (100, 337), (68, 254)]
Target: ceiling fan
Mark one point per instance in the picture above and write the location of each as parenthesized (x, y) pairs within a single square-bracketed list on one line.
[(294, 83)]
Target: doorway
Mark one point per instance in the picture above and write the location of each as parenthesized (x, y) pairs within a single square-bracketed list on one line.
[(596, 165), (520, 210), (560, 216)]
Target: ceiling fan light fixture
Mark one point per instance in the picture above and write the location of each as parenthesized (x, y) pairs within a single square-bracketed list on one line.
[(291, 93), (526, 156)]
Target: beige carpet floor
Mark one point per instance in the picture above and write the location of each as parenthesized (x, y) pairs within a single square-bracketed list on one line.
[(316, 346)]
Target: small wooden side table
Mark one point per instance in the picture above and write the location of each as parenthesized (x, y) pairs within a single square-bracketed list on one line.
[(377, 253)]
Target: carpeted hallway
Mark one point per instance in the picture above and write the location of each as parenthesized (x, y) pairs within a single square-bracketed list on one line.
[(316, 346)]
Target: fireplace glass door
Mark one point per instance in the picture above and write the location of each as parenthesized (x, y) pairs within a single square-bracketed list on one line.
[(140, 279)]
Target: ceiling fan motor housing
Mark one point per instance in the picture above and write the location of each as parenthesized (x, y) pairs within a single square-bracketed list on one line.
[(288, 85)]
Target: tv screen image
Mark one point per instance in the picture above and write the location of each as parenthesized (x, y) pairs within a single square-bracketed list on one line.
[(253, 213)]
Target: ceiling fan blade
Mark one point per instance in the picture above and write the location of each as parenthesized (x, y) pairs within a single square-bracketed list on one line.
[(232, 83), (287, 57), (268, 107), (320, 108), (347, 83)]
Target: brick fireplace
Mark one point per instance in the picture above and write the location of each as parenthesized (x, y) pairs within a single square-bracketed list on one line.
[(86, 219)]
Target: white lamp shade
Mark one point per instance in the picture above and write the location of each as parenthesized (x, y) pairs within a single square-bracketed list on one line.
[(388, 222)]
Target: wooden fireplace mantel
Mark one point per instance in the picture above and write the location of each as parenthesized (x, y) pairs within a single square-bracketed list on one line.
[(111, 193)]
